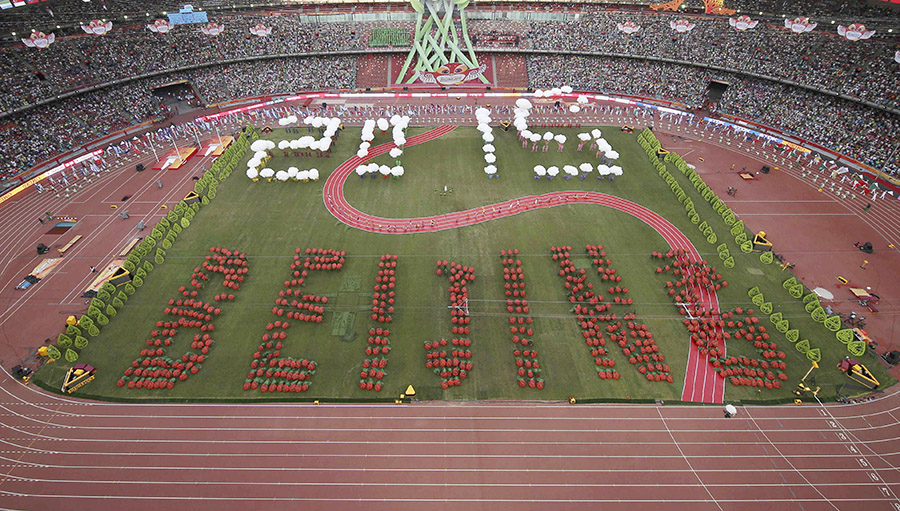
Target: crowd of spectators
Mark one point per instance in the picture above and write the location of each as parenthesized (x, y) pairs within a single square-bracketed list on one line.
[(134, 51), (276, 76), (43, 132), (864, 70), (813, 7), (820, 59), (860, 132)]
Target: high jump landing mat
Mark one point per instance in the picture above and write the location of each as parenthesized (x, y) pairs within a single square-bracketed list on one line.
[(215, 146), (174, 160)]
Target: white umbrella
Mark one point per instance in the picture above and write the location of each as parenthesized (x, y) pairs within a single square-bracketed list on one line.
[(488, 148), (603, 145), (303, 175), (324, 143), (362, 153), (252, 173), (295, 144), (490, 170), (570, 170), (596, 133), (535, 137), (315, 145), (281, 175), (317, 122), (560, 138), (396, 152), (552, 171), (482, 111), (283, 122), (384, 170), (615, 170), (538, 93), (583, 99), (548, 136), (574, 109), (382, 124), (365, 145), (292, 119), (584, 137), (259, 145), (400, 142), (397, 171), (259, 155), (292, 172), (490, 157), (527, 134), (730, 410), (266, 173), (395, 120), (566, 89), (612, 155), (483, 127), (314, 174), (487, 137), (373, 168), (253, 162), (603, 170), (586, 167), (283, 144), (524, 103), (360, 170), (555, 91), (540, 170)]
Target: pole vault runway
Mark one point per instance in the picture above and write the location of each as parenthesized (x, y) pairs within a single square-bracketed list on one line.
[(56, 452), (701, 384)]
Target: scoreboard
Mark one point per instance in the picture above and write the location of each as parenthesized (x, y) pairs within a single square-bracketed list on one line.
[(9, 4)]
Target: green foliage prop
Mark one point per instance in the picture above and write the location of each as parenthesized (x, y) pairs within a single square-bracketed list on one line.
[(63, 340), (833, 323), (845, 335), (814, 354)]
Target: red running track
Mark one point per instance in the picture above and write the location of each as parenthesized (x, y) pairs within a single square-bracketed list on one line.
[(62, 453), (701, 384), (57, 452)]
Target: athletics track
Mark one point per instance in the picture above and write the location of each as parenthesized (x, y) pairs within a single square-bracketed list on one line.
[(701, 384), (59, 452)]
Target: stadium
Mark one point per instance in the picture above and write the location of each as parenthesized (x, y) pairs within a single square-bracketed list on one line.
[(398, 254)]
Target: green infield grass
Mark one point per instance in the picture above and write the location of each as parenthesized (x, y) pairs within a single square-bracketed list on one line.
[(269, 220)]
